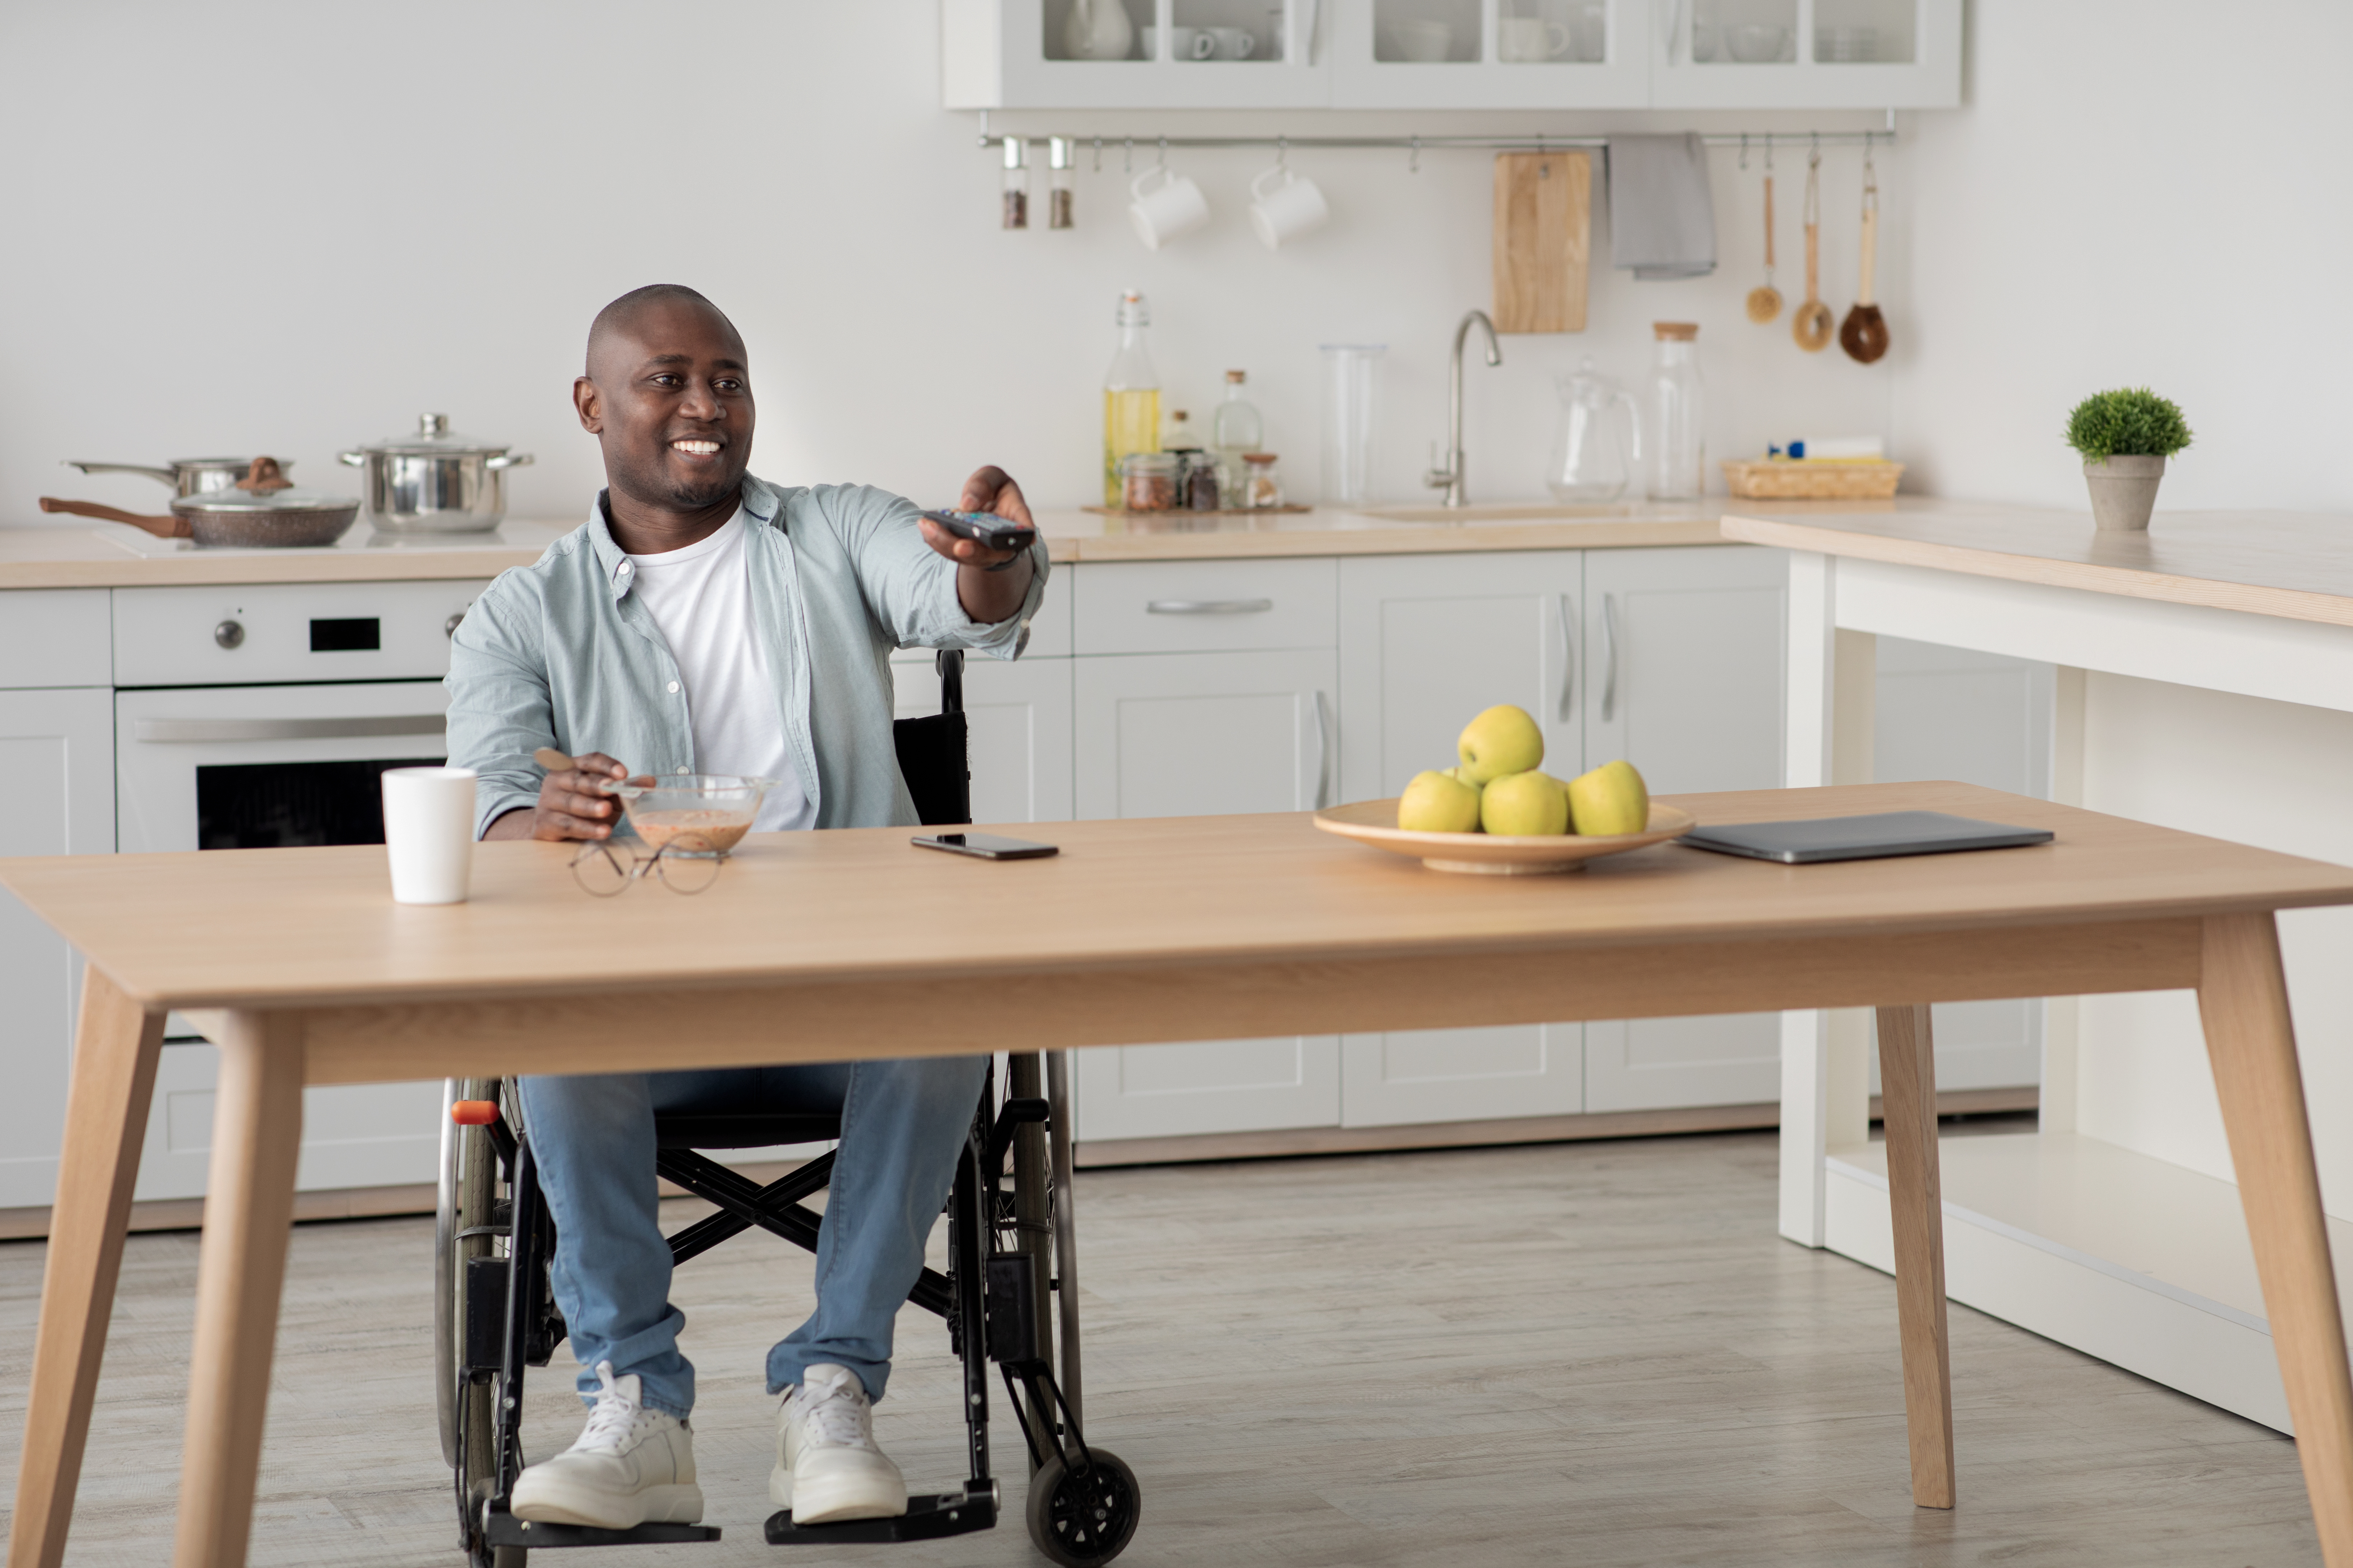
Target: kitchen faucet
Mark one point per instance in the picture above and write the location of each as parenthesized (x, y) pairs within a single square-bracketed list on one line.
[(1449, 478)]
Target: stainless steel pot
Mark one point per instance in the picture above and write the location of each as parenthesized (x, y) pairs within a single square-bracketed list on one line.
[(435, 481), (186, 475)]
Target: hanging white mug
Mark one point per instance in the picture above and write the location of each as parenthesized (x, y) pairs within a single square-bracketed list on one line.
[(1286, 208), (1170, 209)]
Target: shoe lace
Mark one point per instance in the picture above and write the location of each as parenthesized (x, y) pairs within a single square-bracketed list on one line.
[(614, 1417), (837, 1416)]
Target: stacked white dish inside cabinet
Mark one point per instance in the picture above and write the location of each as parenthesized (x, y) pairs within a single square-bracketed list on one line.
[(1454, 54)]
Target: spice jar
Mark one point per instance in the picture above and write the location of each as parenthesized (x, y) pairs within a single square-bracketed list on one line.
[(1261, 484), (1016, 183), (1148, 481), (1058, 196), (1201, 492)]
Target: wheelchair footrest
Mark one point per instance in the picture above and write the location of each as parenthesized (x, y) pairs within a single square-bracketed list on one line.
[(503, 1529), (928, 1517)]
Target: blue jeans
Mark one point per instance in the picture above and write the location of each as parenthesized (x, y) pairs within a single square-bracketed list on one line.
[(902, 1126)]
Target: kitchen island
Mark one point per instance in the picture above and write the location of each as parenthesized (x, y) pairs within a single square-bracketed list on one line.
[(2205, 682)]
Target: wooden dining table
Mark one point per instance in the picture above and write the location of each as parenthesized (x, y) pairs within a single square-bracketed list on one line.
[(846, 945)]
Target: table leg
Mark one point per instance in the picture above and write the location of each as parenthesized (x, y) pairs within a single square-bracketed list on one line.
[(1907, 1087), (240, 1274), (115, 1048), (2250, 1042)]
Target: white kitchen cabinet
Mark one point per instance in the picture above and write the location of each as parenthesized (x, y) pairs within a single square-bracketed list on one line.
[(354, 1135), (1190, 734), (1018, 719), (1462, 1075), (1489, 53), (1426, 641), (1193, 733), (1469, 54), (1683, 677), (1014, 54), (56, 752), (1805, 54)]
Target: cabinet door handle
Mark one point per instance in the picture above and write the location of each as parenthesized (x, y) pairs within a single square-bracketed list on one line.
[(1207, 606), (1610, 656), (203, 730), (1562, 708), (1323, 751)]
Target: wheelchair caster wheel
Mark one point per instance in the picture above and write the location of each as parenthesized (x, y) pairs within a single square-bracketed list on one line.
[(1079, 1520)]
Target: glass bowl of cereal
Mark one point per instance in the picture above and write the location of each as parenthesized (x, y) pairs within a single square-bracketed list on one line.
[(692, 814)]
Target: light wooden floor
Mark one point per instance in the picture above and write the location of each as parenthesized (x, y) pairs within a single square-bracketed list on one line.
[(1593, 1353)]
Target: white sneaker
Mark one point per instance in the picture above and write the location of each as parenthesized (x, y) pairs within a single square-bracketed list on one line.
[(632, 1465), (827, 1468)]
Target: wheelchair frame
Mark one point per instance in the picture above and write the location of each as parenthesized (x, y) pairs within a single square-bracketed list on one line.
[(1010, 1232)]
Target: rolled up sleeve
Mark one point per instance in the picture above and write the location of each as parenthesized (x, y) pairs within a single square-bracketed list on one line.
[(911, 588)]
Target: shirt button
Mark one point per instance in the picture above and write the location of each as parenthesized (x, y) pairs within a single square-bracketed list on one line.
[(673, 686), (681, 769)]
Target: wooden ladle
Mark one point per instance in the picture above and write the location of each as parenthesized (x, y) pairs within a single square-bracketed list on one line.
[(1813, 323), (1765, 302), (1863, 333)]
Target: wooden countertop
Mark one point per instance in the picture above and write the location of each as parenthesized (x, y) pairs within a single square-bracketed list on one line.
[(2293, 565), (114, 555)]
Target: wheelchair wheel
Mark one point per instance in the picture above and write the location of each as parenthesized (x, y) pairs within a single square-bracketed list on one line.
[(1082, 1520), (468, 1193)]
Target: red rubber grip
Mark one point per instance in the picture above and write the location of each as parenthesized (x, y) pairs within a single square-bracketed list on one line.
[(474, 1112)]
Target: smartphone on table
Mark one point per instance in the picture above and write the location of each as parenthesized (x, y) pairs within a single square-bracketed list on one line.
[(986, 846)]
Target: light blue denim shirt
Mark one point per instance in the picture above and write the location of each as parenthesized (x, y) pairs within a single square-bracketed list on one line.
[(560, 653)]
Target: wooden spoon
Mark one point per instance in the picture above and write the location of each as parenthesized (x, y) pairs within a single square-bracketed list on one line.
[(1765, 303), (1863, 333), (1813, 323)]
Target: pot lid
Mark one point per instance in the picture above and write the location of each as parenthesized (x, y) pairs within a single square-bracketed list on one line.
[(433, 438)]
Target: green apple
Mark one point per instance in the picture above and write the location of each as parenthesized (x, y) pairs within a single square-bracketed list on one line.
[(1524, 804), (1503, 740), (1610, 800), (1433, 803)]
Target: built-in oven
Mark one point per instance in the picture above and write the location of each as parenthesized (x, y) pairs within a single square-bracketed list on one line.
[(250, 718)]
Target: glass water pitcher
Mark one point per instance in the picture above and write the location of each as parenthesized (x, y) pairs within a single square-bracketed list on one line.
[(1594, 457)]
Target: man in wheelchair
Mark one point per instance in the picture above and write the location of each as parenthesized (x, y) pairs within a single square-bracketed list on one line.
[(704, 621)]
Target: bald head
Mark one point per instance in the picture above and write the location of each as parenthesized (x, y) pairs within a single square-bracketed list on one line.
[(621, 321), (668, 394)]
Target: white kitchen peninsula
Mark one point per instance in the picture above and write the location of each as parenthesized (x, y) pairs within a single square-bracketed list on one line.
[(2205, 682)]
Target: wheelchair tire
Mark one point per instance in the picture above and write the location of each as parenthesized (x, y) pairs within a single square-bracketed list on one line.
[(1079, 1521)]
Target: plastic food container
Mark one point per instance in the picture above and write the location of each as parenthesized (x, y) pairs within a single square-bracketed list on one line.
[(693, 814)]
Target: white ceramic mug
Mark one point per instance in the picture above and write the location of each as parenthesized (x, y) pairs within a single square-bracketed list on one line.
[(1422, 41), (428, 833), (1284, 205), (1521, 40), (1184, 44), (1172, 208), (1232, 43)]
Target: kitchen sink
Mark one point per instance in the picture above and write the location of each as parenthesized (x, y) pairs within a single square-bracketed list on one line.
[(1539, 512)]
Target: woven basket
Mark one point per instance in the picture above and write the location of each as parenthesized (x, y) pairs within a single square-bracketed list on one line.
[(1812, 481)]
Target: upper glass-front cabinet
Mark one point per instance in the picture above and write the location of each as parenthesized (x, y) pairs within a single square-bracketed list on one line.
[(1451, 54)]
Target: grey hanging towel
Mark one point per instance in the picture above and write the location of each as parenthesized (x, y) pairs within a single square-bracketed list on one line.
[(1662, 217)]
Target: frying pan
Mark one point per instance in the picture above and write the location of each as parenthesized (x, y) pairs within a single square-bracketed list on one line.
[(262, 512)]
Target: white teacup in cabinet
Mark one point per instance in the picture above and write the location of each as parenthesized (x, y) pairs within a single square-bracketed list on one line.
[(1019, 54), (1489, 53)]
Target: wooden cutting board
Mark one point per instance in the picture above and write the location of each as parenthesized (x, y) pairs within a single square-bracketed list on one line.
[(1544, 230)]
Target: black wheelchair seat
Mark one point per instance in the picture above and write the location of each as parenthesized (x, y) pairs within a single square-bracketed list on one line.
[(743, 1130)]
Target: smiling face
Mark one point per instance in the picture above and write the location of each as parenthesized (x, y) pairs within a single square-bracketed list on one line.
[(669, 397)]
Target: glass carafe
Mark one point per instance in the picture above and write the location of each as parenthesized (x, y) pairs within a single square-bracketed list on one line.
[(1593, 459)]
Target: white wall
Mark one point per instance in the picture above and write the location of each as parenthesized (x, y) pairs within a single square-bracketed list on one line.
[(261, 224), (2140, 191)]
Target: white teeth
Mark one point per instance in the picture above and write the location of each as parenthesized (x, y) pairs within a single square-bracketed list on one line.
[(701, 448)]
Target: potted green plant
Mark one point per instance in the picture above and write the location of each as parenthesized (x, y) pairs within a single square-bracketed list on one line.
[(2126, 436)]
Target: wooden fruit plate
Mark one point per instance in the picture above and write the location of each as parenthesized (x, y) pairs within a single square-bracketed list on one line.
[(1374, 821)]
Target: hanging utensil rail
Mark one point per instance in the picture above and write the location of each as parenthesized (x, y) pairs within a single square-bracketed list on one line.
[(1419, 144)]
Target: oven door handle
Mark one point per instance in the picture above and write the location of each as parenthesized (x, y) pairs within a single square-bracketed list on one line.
[(216, 731)]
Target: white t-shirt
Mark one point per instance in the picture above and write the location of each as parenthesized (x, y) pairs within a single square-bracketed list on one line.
[(700, 597)]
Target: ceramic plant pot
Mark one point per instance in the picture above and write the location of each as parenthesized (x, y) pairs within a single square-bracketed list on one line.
[(2124, 489)]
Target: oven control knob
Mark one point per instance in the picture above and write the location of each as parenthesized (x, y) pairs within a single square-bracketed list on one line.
[(449, 627), (230, 634)]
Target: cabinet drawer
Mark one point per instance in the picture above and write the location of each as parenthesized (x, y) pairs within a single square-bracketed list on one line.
[(54, 637), (1201, 606), (287, 632)]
